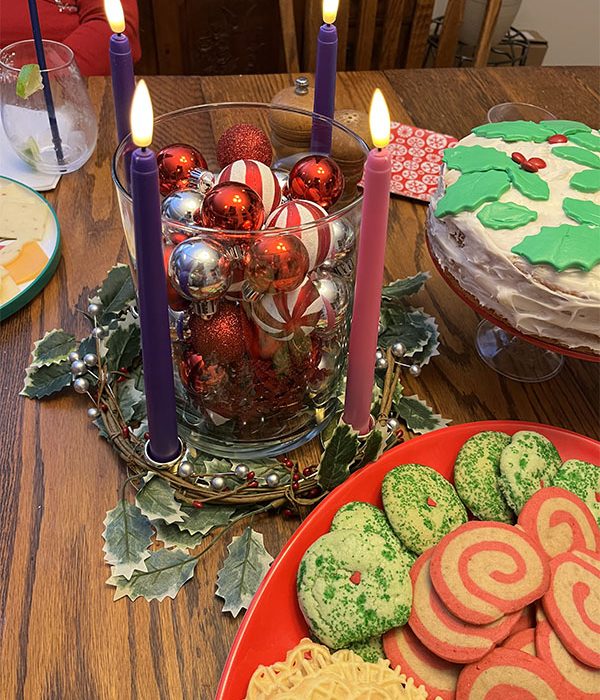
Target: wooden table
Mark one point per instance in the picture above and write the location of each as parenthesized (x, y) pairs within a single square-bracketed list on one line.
[(61, 635)]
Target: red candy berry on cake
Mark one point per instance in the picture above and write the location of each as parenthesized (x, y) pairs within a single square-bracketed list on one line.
[(529, 166), (557, 138), (518, 157), (538, 162), (175, 162), (244, 141)]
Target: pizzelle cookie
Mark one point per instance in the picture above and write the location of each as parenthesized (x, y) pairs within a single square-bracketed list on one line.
[(476, 475), (510, 674), (404, 650), (421, 506), (559, 521), (572, 604), (524, 640), (583, 479), (528, 464), (351, 586), (443, 633), (484, 570)]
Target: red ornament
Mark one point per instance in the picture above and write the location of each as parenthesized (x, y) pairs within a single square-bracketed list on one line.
[(538, 162), (231, 206), (198, 376), (219, 339), (518, 157), (244, 141), (318, 179), (176, 302), (276, 264), (174, 165), (529, 167), (557, 138), (256, 175)]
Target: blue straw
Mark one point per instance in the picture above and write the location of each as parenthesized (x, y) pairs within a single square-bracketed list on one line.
[(41, 57)]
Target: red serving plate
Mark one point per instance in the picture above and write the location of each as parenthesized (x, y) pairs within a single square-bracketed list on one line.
[(273, 623)]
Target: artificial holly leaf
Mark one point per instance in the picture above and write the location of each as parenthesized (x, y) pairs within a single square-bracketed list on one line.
[(122, 347), (471, 190), (430, 349), (156, 500), (203, 520), (470, 159), (418, 416), (99, 423), (582, 210), (338, 455), (578, 155), (127, 536), (53, 348), (562, 247), (132, 401), (374, 446), (46, 380), (567, 127), (529, 185), (518, 130), (167, 571), (408, 327), (172, 536), (329, 429), (243, 571), (586, 140), (211, 465), (586, 181), (505, 215), (116, 293), (397, 290), (87, 345)]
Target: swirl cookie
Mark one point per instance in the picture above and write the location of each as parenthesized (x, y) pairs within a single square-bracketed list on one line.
[(351, 586), (510, 674), (421, 506), (526, 619), (582, 479), (476, 474), (572, 604), (528, 464), (443, 633), (404, 650), (484, 570), (559, 521), (582, 682), (523, 640)]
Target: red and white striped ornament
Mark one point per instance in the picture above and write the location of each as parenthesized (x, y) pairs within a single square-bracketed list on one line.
[(287, 313), (317, 239), (256, 175)]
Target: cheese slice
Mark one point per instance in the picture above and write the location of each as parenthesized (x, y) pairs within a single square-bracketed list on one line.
[(28, 264)]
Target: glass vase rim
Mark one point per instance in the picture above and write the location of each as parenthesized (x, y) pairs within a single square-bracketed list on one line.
[(62, 66), (202, 230)]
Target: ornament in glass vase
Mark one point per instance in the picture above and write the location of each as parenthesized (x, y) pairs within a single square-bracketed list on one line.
[(258, 177), (232, 206), (335, 292), (274, 264), (318, 179), (182, 205), (222, 337), (243, 141), (175, 163)]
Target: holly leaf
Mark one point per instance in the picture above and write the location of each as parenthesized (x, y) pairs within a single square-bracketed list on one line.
[(46, 380), (132, 401), (116, 293), (565, 126), (127, 536), (172, 536), (87, 345), (123, 346), (156, 500), (418, 416), (430, 349), (586, 140), (505, 215), (529, 185), (586, 181), (338, 455), (469, 159), (203, 520), (518, 130), (167, 571), (243, 570), (53, 348), (582, 210), (408, 327), (374, 446), (99, 423), (397, 290), (562, 247), (471, 190), (578, 155)]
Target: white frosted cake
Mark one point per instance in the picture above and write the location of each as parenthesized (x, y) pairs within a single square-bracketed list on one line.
[(516, 222)]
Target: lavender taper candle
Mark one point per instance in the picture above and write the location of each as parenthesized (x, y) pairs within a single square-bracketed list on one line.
[(325, 77)]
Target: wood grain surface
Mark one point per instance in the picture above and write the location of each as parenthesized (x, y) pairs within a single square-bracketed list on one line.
[(61, 635)]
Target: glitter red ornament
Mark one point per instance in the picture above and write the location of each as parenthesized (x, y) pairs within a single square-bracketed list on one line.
[(221, 338), (244, 141), (318, 179), (276, 264), (175, 162), (231, 206)]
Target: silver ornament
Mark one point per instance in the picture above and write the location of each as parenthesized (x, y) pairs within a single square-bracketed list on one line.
[(201, 180), (78, 368), (272, 480), (90, 359), (81, 385), (181, 206), (98, 332), (393, 424), (241, 471), (73, 356), (398, 350), (93, 309), (185, 469), (282, 179), (199, 269), (378, 354), (414, 370), (335, 293), (381, 363), (217, 483), (93, 413), (343, 239)]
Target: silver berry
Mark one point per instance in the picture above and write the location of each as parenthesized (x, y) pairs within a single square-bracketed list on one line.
[(93, 413), (217, 483), (93, 309), (414, 370), (78, 368), (378, 355), (272, 480), (185, 469), (98, 332), (393, 424), (398, 350), (241, 471), (90, 359), (81, 385), (73, 356), (381, 363)]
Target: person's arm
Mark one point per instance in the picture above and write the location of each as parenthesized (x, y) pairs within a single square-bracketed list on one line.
[(89, 41)]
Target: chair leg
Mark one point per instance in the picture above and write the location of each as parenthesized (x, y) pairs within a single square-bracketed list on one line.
[(482, 52), (288, 32)]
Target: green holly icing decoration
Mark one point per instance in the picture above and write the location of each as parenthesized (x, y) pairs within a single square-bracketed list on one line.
[(500, 215), (565, 126), (577, 155), (586, 140), (472, 190), (586, 181), (529, 185), (514, 131), (562, 247), (470, 159), (583, 211)]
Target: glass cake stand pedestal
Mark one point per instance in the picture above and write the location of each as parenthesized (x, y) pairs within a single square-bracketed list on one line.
[(505, 349)]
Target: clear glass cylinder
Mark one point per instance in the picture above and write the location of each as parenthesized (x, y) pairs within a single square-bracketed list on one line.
[(258, 373)]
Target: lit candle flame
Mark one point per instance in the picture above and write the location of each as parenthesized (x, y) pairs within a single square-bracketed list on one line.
[(379, 120), (330, 8), (142, 116), (114, 14)]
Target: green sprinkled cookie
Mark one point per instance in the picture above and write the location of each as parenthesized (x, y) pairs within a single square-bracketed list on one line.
[(353, 585), (582, 479), (476, 475), (421, 506), (371, 650), (528, 464)]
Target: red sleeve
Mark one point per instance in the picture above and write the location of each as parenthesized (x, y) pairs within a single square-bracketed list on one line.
[(89, 41)]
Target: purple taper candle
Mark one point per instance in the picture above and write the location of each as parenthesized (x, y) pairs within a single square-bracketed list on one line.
[(152, 285), (325, 75), (121, 67)]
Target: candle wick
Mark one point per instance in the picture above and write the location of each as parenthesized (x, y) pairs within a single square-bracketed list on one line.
[(379, 149)]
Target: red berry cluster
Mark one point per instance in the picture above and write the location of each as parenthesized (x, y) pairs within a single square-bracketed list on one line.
[(531, 165)]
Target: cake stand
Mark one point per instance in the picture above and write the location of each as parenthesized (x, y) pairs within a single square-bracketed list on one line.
[(507, 350)]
